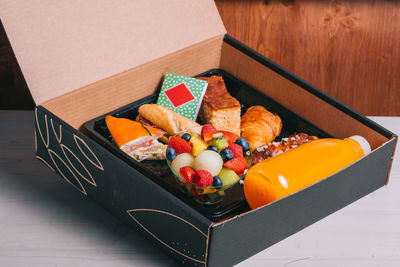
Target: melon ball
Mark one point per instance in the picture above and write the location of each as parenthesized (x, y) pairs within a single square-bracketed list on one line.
[(210, 161), (182, 160)]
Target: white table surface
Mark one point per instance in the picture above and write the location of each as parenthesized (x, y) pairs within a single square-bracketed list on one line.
[(45, 222)]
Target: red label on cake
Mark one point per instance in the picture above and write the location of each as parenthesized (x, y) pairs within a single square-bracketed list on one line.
[(179, 95)]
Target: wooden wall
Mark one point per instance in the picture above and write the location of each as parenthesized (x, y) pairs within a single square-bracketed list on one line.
[(350, 49)]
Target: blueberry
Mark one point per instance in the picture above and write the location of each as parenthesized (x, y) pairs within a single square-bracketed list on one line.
[(213, 148), (217, 182), (171, 154), (186, 137), (226, 154), (243, 143)]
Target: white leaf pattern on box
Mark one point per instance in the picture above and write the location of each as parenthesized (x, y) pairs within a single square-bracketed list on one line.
[(71, 171), (90, 180), (51, 153), (46, 143), (97, 164)]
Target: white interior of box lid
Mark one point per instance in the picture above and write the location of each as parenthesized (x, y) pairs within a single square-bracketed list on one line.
[(64, 45), (96, 99)]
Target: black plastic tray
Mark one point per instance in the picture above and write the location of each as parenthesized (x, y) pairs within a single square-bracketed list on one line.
[(157, 171)]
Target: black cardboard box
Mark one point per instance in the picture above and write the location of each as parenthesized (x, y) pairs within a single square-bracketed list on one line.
[(80, 63)]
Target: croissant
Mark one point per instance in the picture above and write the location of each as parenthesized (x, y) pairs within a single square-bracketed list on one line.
[(259, 126)]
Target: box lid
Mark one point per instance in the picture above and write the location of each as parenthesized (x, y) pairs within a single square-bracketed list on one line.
[(64, 45)]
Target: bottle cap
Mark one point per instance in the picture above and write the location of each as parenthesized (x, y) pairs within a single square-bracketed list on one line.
[(363, 143)]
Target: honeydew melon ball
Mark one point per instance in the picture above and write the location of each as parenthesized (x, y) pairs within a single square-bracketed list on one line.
[(208, 160), (182, 160)]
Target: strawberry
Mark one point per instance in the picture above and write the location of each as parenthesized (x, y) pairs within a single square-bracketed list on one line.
[(238, 164), (236, 149), (230, 137), (188, 173), (180, 145), (203, 178), (207, 131)]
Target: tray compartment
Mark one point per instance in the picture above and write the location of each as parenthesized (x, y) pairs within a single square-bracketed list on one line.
[(234, 201)]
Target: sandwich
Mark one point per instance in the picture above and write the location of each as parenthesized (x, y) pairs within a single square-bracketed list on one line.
[(137, 140)]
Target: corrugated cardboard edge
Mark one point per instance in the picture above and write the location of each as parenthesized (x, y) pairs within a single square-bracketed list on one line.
[(208, 244), (396, 138)]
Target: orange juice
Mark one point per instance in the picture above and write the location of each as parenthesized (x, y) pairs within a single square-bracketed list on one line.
[(300, 167)]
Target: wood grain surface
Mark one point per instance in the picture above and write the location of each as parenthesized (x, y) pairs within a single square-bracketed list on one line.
[(349, 49)]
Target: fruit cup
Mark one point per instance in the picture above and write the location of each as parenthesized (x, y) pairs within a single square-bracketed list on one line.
[(205, 170)]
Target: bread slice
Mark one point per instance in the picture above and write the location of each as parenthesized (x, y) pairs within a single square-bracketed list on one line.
[(219, 108), (168, 120)]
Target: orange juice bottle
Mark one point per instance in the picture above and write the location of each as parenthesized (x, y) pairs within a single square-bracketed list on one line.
[(300, 167)]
